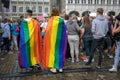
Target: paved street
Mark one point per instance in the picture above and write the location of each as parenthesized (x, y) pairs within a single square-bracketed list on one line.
[(73, 71)]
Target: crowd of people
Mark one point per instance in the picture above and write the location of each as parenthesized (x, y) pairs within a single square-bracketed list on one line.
[(62, 36)]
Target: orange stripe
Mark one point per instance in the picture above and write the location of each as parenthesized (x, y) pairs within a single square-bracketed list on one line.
[(47, 41), (37, 40)]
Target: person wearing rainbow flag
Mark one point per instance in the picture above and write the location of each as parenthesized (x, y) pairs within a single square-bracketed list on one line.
[(55, 43), (30, 42)]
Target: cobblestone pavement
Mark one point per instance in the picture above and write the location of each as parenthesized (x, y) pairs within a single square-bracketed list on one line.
[(9, 65)]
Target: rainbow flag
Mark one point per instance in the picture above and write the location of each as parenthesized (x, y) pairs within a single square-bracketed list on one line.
[(30, 44), (55, 43), (43, 32)]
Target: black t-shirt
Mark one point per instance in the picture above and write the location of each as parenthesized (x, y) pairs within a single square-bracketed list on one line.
[(117, 36)]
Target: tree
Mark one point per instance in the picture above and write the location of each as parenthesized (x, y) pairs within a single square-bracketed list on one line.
[(6, 3)]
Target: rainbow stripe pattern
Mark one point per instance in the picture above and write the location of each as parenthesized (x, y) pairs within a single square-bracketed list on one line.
[(30, 44), (43, 32), (55, 43)]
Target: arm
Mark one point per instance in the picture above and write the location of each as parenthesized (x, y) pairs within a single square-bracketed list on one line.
[(117, 30), (77, 27), (82, 31), (106, 29), (93, 26), (8, 31)]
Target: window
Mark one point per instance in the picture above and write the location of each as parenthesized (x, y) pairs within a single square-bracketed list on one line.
[(69, 1), (34, 0), (27, 7), (96, 1), (20, 9), (102, 1), (114, 2), (89, 1), (109, 2), (14, 9), (84, 1), (34, 8), (40, 8), (21, 0), (27, 0), (46, 9), (7, 10), (75, 1)]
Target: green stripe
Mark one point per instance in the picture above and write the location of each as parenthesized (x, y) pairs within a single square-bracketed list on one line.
[(27, 42), (57, 45)]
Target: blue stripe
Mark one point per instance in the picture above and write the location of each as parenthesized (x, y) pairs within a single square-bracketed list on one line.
[(22, 46), (62, 46)]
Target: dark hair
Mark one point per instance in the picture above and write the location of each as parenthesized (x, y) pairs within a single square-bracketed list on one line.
[(87, 22), (29, 12), (118, 17), (100, 10), (21, 17), (66, 17), (55, 12)]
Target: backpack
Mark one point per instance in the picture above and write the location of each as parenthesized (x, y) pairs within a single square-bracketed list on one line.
[(17, 28)]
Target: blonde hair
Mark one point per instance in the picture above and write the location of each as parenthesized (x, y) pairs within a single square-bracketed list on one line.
[(14, 21)]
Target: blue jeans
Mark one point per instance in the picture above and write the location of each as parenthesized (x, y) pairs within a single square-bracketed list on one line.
[(88, 46), (117, 54)]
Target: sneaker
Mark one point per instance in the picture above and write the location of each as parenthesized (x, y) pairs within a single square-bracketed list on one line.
[(60, 70), (98, 67), (113, 70), (110, 56), (77, 60), (87, 63), (72, 61), (86, 60), (93, 60), (53, 70)]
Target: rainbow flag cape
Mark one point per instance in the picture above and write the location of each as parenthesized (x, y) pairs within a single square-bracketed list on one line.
[(55, 43), (30, 44), (43, 32)]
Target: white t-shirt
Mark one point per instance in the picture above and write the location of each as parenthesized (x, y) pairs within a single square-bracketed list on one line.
[(43, 25)]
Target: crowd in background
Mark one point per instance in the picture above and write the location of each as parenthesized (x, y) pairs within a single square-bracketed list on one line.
[(101, 33)]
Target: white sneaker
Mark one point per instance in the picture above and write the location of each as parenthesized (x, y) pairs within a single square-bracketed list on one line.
[(77, 60), (113, 70), (86, 60), (110, 56), (93, 60), (72, 61), (60, 70)]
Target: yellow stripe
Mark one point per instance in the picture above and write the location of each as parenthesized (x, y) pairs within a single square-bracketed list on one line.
[(53, 41), (31, 34)]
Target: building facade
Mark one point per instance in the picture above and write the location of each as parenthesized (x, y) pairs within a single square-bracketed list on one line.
[(60, 4), (19, 7), (92, 5)]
